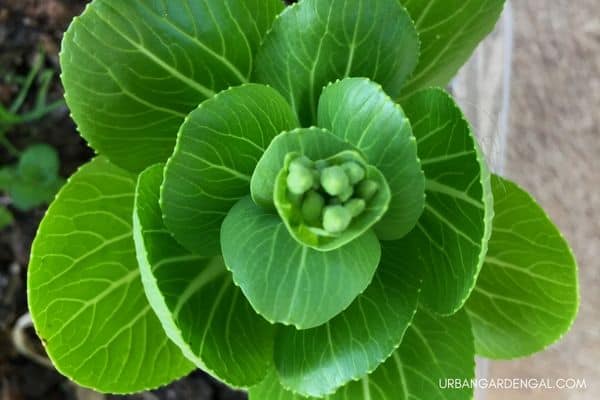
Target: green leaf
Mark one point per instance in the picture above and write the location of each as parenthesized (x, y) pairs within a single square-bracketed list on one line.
[(449, 31), (434, 349), (26, 195), (451, 237), (316, 42), (358, 111), (217, 150), (132, 70), (39, 163), (194, 297), (318, 361), (84, 289), (289, 283), (315, 143), (35, 180), (527, 294), (6, 218)]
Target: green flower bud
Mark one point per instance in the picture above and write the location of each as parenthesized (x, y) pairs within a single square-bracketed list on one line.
[(355, 172), (336, 219), (301, 162), (356, 206), (312, 207), (334, 180), (345, 195), (295, 199), (299, 180), (367, 189)]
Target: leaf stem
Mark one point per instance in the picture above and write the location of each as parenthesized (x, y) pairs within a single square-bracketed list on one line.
[(13, 151)]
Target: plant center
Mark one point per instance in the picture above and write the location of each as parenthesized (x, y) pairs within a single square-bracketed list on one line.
[(331, 193)]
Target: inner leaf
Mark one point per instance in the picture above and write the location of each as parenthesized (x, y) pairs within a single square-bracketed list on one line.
[(287, 282), (326, 203), (314, 143)]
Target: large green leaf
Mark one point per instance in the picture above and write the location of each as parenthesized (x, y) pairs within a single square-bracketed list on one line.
[(133, 70), (201, 309), (315, 42), (315, 143), (526, 296), (358, 111), (449, 31), (318, 361), (85, 293), (217, 149), (434, 349), (451, 237), (289, 283)]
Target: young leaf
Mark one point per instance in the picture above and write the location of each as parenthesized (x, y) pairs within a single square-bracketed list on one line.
[(194, 297), (316, 42), (133, 70), (289, 283), (317, 361), (315, 143), (449, 31), (434, 349), (35, 180), (358, 111), (84, 289), (451, 237), (217, 149), (39, 163), (26, 195), (527, 294)]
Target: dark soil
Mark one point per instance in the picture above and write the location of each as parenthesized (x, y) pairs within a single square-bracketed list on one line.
[(26, 28)]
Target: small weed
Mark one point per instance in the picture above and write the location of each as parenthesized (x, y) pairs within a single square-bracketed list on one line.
[(33, 180)]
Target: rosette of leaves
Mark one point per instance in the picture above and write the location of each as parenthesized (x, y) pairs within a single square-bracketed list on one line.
[(283, 200)]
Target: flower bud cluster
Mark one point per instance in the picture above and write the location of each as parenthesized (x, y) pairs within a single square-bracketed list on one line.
[(329, 195)]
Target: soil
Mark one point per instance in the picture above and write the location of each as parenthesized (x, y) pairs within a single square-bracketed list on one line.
[(26, 28)]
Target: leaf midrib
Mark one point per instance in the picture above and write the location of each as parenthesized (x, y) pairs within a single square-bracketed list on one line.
[(206, 92), (243, 78), (434, 186), (126, 279), (212, 272)]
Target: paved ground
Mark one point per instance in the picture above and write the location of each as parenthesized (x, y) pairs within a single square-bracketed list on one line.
[(554, 151)]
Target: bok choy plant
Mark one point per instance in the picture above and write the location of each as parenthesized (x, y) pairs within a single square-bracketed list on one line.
[(285, 198)]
